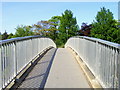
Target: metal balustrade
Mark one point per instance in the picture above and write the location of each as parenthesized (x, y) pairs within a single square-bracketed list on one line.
[(16, 53), (102, 58)]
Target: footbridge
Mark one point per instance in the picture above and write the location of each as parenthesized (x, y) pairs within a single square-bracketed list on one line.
[(36, 62)]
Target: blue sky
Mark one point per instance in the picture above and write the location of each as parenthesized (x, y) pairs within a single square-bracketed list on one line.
[(28, 13)]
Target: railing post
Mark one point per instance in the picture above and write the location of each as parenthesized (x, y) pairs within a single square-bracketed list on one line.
[(97, 59), (118, 68), (15, 58), (0, 67)]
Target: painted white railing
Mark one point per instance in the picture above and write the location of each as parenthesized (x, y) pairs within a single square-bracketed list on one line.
[(102, 58), (16, 53)]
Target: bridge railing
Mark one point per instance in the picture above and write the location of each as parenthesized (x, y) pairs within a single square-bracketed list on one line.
[(16, 53), (102, 58)]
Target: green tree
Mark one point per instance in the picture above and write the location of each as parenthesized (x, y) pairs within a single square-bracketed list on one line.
[(22, 31), (68, 26), (105, 27), (118, 33), (54, 22), (28, 31), (5, 35), (10, 36), (0, 36), (48, 28), (41, 27)]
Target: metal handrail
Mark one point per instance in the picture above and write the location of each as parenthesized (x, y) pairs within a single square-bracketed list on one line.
[(18, 52), (102, 58), (112, 44), (20, 38)]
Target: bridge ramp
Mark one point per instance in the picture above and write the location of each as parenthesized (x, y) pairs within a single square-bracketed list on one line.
[(57, 69)]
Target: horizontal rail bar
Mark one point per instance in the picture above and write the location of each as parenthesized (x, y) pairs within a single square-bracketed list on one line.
[(20, 38), (116, 45)]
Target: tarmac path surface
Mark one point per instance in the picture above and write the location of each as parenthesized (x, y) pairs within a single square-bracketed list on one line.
[(65, 72), (57, 69)]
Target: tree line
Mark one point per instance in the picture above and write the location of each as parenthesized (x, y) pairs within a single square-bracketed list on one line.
[(60, 28)]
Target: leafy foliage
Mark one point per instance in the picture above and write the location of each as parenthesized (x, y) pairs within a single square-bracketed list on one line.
[(10, 36), (0, 36), (22, 31), (85, 29), (5, 35), (68, 26), (48, 28), (105, 27)]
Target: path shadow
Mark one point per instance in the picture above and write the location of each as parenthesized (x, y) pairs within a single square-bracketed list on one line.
[(47, 71)]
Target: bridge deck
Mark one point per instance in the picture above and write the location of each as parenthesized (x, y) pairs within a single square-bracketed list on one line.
[(64, 72)]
